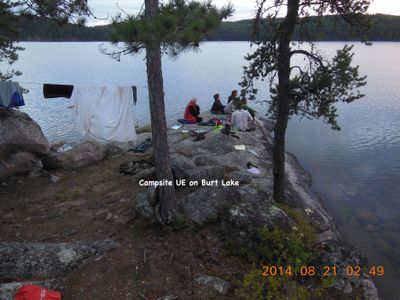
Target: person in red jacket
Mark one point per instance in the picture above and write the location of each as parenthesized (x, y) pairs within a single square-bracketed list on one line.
[(192, 112)]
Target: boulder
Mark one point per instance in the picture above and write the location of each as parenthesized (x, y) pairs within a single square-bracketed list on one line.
[(18, 163), (206, 172), (218, 284), (251, 215), (81, 155), (181, 165), (241, 176), (205, 204), (47, 260), (22, 143)]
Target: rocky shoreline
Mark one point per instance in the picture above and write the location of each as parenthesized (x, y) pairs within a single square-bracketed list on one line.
[(238, 212)]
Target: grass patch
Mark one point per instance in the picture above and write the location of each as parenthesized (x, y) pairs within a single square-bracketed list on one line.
[(283, 248)]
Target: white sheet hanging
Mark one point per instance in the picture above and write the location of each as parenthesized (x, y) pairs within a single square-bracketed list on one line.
[(105, 113)]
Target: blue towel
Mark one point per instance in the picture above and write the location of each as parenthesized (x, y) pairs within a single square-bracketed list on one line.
[(10, 94)]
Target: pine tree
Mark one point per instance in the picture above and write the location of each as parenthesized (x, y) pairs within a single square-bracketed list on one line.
[(172, 28), (312, 89)]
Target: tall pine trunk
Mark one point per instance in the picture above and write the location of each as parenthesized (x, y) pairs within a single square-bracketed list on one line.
[(165, 207), (286, 32)]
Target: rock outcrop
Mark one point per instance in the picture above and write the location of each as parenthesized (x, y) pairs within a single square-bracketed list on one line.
[(22, 143), (80, 155), (244, 208), (23, 261)]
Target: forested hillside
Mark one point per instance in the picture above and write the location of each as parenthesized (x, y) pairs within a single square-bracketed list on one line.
[(383, 28)]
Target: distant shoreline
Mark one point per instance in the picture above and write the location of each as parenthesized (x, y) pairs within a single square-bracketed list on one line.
[(211, 41)]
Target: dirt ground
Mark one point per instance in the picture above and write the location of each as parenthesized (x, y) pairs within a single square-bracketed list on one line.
[(97, 202)]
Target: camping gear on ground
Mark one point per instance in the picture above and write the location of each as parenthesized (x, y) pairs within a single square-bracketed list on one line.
[(199, 134), (240, 147), (10, 95), (255, 171), (212, 122), (133, 167), (249, 165), (34, 292), (104, 113), (185, 133), (64, 148), (199, 137), (253, 152), (184, 122), (226, 130), (177, 127), (195, 132), (143, 146), (253, 168), (218, 127)]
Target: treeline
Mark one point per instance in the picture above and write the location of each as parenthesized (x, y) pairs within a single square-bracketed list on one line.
[(329, 28)]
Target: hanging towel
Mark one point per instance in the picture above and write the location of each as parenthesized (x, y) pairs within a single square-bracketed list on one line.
[(105, 113), (57, 90), (11, 94), (65, 91)]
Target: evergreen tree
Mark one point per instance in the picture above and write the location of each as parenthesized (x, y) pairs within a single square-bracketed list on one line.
[(312, 89), (172, 28)]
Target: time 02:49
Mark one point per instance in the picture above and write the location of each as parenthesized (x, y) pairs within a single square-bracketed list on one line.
[(322, 271)]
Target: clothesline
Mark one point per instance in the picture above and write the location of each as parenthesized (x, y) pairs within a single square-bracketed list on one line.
[(38, 83)]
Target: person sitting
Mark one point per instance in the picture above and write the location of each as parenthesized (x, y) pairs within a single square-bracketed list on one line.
[(252, 111), (241, 118), (233, 96), (217, 107), (192, 112)]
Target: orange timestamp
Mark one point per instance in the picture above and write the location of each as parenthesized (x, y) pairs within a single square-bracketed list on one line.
[(324, 271)]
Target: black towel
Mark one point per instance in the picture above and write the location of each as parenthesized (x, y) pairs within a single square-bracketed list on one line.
[(65, 91), (57, 90)]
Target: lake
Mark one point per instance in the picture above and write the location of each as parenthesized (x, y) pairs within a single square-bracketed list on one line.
[(356, 170)]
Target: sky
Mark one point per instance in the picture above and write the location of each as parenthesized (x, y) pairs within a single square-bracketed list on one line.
[(244, 9)]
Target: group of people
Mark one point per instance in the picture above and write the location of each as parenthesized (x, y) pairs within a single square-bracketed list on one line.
[(242, 117)]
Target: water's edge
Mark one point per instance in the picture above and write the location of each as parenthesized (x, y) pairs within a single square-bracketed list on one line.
[(338, 252)]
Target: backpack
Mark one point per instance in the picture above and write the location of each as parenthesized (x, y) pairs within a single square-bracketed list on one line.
[(34, 292)]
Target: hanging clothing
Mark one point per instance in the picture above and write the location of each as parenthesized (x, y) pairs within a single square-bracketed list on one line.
[(11, 94), (57, 90), (65, 91), (105, 113)]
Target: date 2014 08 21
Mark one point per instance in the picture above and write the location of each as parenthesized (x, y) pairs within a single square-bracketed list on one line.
[(324, 271)]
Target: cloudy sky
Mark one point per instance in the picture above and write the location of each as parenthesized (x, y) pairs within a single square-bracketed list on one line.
[(243, 8)]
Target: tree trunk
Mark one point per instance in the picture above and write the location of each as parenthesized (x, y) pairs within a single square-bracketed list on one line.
[(286, 32), (165, 208)]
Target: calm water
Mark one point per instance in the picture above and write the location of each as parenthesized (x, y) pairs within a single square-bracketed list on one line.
[(357, 170)]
